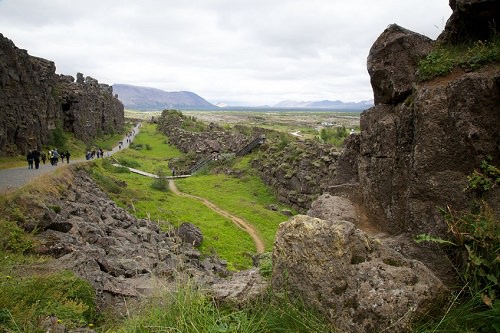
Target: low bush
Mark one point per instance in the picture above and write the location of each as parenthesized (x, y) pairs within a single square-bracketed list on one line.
[(128, 162), (25, 302), (13, 238), (160, 183)]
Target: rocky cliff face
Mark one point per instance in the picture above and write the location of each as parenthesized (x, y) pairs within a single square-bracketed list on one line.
[(203, 141), (417, 146), (421, 140), (299, 172), (34, 100)]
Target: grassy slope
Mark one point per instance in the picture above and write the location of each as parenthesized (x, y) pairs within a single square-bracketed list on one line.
[(246, 197), (249, 200)]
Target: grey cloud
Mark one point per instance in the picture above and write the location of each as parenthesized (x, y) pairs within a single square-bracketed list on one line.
[(258, 52)]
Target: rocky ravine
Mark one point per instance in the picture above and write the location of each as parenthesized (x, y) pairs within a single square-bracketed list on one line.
[(417, 145), (122, 256), (34, 100)]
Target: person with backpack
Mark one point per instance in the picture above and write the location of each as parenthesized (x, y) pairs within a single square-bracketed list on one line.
[(55, 156), (36, 157), (67, 154), (29, 158), (44, 156)]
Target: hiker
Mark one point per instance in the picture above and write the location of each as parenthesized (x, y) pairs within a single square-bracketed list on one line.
[(36, 158), (29, 158), (43, 156), (55, 156), (67, 156), (173, 172), (62, 156)]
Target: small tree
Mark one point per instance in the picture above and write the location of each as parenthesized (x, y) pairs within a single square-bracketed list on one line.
[(160, 183)]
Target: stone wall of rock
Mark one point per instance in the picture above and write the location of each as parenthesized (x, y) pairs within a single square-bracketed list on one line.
[(213, 138), (419, 143), (34, 100), (298, 172), (415, 155)]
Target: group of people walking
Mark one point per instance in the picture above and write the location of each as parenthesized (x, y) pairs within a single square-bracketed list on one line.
[(35, 156), (91, 154)]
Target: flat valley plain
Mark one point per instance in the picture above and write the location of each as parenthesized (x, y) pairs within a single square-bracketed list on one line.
[(301, 122)]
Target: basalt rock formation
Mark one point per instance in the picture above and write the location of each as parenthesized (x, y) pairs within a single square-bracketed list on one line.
[(299, 172), (34, 101), (472, 20), (120, 255), (414, 153), (203, 142), (417, 146), (359, 284)]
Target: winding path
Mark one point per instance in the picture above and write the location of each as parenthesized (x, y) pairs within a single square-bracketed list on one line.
[(247, 227)]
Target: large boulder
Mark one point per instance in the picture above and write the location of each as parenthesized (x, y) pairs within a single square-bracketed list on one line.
[(328, 207), (392, 63), (189, 233), (359, 284)]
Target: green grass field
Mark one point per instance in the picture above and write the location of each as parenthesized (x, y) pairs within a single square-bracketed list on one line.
[(246, 197), (150, 150)]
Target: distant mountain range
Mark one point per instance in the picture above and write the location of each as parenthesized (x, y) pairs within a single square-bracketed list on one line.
[(363, 105), (144, 98)]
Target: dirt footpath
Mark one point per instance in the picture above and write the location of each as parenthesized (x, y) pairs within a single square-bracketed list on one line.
[(247, 227)]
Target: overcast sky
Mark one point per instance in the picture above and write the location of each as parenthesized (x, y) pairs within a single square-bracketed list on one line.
[(239, 52)]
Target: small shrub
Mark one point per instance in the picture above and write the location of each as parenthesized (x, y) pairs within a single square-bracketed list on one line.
[(266, 264), (484, 179), (129, 162), (160, 183), (334, 136), (58, 138), (138, 146), (13, 238), (284, 141), (56, 209)]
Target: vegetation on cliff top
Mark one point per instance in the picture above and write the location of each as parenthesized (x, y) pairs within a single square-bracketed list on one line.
[(445, 58)]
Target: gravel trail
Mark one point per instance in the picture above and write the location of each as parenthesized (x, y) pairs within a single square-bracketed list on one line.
[(16, 177)]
